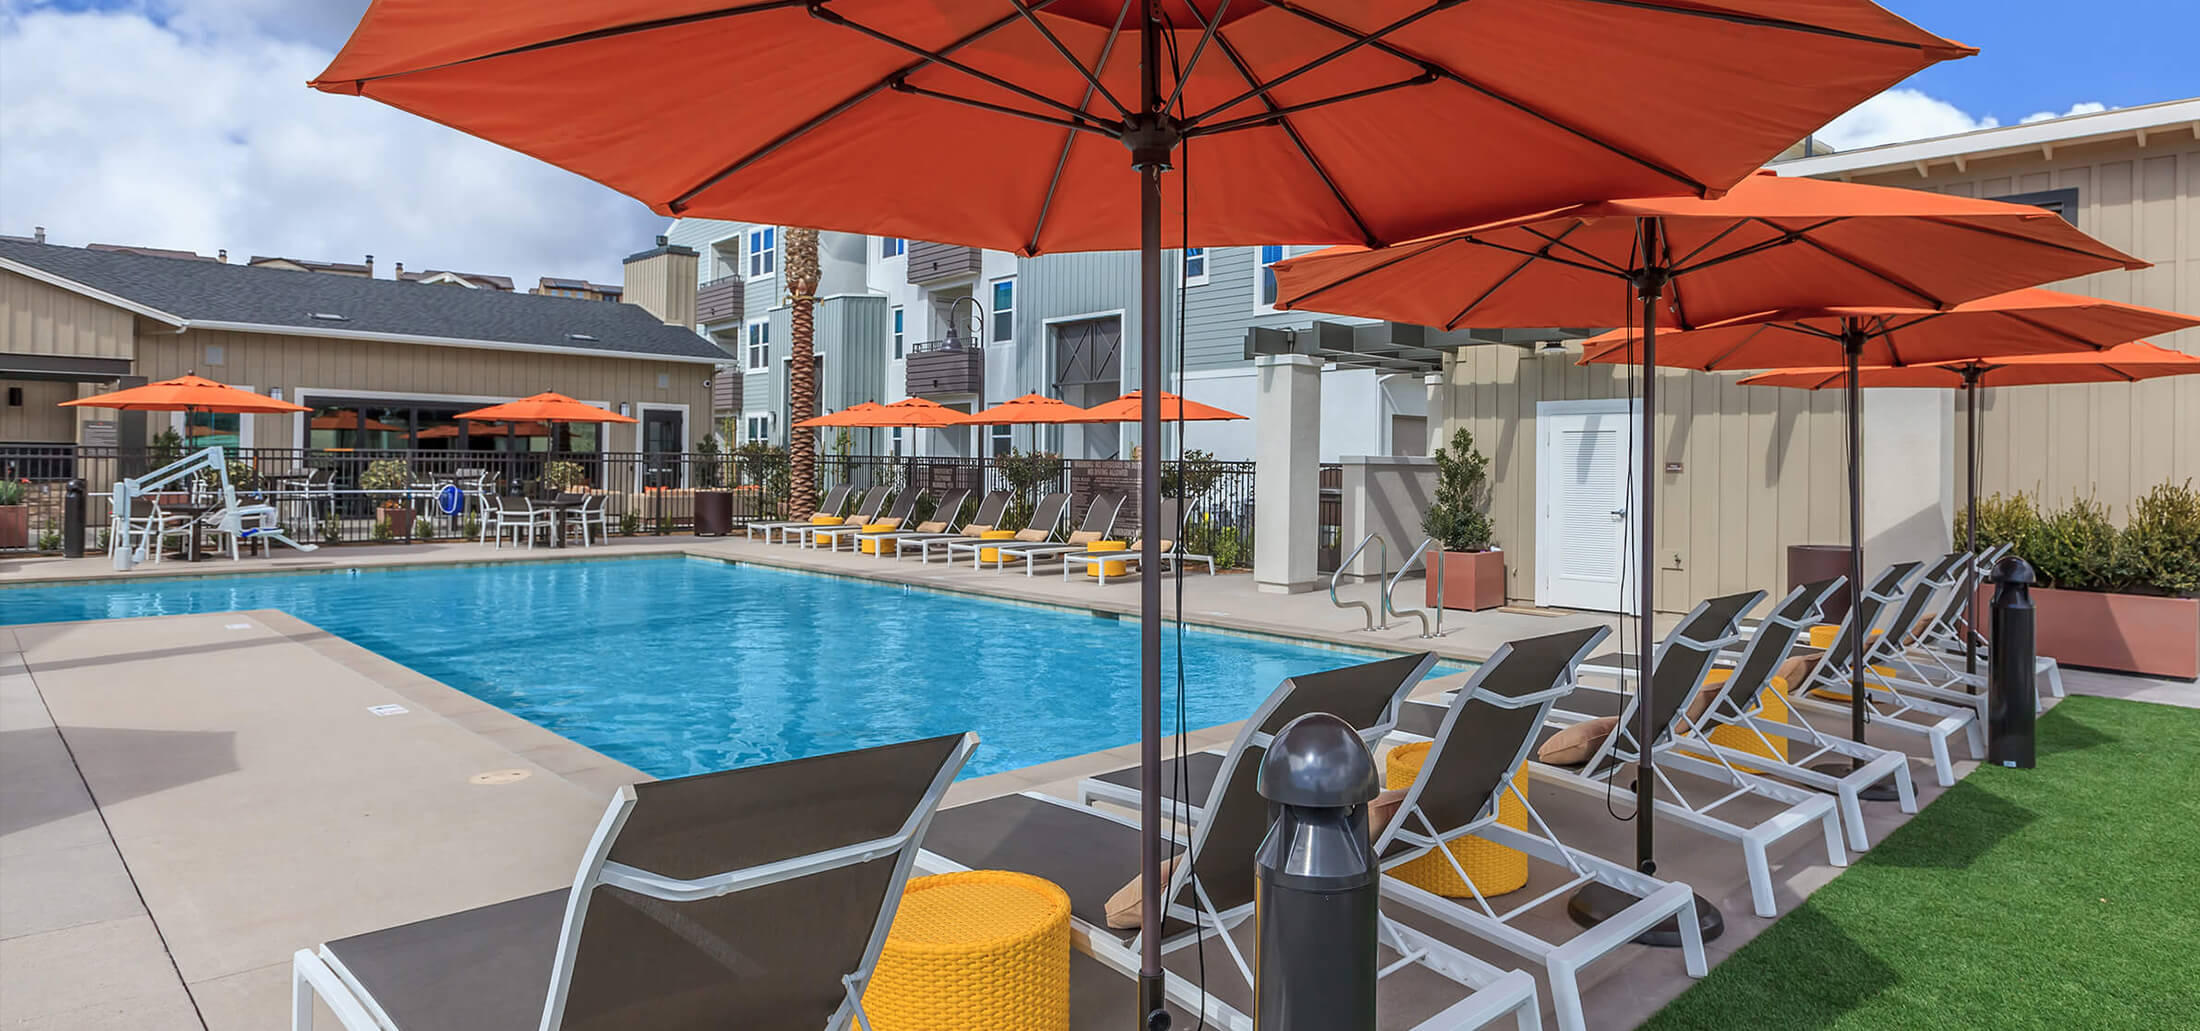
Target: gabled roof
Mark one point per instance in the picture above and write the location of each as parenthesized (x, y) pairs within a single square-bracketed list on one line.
[(476, 279), (2133, 123), (150, 252), (212, 295), (352, 267)]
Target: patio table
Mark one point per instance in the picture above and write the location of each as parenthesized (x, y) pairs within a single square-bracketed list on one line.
[(197, 512), (559, 506)]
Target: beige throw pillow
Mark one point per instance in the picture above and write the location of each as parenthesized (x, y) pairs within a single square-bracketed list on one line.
[(1575, 744)]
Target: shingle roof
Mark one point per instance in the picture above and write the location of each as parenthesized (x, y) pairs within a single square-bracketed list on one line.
[(200, 291)]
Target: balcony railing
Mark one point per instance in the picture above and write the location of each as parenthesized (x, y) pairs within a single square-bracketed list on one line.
[(940, 368), (719, 300), (932, 262)]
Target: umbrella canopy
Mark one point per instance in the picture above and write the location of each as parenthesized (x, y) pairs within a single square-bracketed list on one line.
[(1769, 243), (1173, 409), (186, 393), (1033, 409), (918, 413), (2015, 323), (853, 415), (549, 406), (2123, 363), (1311, 121)]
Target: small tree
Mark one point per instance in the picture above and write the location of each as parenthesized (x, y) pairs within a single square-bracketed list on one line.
[(1026, 472), (1459, 516), (2162, 541), (1190, 477)]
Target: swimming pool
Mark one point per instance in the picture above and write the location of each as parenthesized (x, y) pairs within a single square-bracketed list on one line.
[(681, 665)]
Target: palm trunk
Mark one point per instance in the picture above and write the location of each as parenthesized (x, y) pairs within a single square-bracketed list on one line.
[(802, 275)]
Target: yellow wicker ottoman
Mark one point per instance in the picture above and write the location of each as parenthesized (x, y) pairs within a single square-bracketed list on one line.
[(981, 949), (1771, 704), (870, 546), (1099, 569), (993, 554), (1494, 869), (1821, 638)]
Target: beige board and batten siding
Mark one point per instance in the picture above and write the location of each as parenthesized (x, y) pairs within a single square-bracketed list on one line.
[(39, 318), (1761, 468), (39, 419), (2111, 441), (341, 367)]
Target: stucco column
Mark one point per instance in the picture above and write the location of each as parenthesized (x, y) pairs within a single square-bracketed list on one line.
[(1439, 411), (1286, 472), (1387, 495), (1909, 475)]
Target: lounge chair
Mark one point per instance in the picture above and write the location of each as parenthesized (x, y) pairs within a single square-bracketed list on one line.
[(752, 898), (835, 500), (1171, 556), (888, 542), (830, 536), (1366, 696), (1099, 522), (1091, 854), (1039, 528), (1848, 767), (866, 510), (1825, 688), (1927, 657), (1483, 736), (989, 513)]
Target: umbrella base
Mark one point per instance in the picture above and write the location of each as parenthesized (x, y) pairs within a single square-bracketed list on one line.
[(1880, 791), (1596, 903)]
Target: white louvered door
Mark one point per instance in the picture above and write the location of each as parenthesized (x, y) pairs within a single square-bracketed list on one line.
[(1585, 534)]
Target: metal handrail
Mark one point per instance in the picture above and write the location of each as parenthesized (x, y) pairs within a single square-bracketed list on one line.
[(1382, 560), (1420, 614)]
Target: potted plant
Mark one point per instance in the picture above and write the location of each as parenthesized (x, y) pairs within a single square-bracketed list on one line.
[(2125, 599), (15, 516), (559, 477), (389, 475), (1469, 570)]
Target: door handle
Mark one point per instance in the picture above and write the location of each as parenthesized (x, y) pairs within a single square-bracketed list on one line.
[(1619, 512)]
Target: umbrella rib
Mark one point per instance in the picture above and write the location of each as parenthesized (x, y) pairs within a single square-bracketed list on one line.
[(1540, 235), (1787, 236), (1452, 323), (1731, 227), (1072, 124), (592, 35), (1403, 255), (1516, 104), (772, 146), (1069, 139), (1091, 77), (1873, 271), (2033, 240), (2064, 333), (831, 17), (1275, 115), (1209, 29), (1542, 255), (1354, 40), (1298, 142), (1758, 22)]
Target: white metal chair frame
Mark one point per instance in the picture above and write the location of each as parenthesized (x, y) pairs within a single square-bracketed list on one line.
[(1931, 651), (1932, 720), (525, 519)]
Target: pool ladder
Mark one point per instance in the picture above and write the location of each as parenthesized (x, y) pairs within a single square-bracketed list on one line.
[(1381, 620)]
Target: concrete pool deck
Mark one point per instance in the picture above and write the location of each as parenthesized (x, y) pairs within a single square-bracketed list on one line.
[(185, 800)]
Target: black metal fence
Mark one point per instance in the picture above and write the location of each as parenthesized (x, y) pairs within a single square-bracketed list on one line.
[(334, 497)]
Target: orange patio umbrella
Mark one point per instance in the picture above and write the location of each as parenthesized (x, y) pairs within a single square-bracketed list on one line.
[(1173, 409), (851, 416), (2123, 363), (1017, 122), (521, 429), (1032, 410), (549, 406), (918, 413), (2019, 322), (186, 393), (349, 419)]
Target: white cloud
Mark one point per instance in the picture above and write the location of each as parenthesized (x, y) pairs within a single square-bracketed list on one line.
[(191, 127), (1896, 115), (2082, 108)]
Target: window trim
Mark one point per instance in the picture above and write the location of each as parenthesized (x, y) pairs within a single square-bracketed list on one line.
[(760, 244), (891, 247), (1000, 440), (994, 311), (753, 359), (898, 330), (1261, 277), (1184, 265)]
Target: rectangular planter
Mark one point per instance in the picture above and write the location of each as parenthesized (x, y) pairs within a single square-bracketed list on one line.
[(1473, 580), (15, 526), (2127, 633)]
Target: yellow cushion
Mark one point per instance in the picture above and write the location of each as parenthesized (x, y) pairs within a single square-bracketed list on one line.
[(825, 520), (881, 526)]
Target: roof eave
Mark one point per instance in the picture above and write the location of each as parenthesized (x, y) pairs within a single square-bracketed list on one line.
[(436, 341), (2169, 116), (102, 296)]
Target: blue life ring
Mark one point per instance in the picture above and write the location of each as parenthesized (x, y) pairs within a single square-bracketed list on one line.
[(450, 499)]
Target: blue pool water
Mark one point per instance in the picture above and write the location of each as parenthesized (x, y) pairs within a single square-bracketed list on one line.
[(681, 665)]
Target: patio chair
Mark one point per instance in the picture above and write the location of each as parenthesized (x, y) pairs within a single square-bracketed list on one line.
[(751, 898), (150, 526), (888, 542), (866, 510), (1099, 523), (1482, 737), (1091, 853), (1041, 528), (1888, 704), (589, 515), (1733, 704), (1366, 696), (835, 500), (520, 515), (831, 536), (1928, 652), (1171, 555), (989, 513)]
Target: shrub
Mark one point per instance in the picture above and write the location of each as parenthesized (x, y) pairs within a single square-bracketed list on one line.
[(630, 524), (2162, 543), (49, 541), (1190, 477), (469, 528), (2077, 548), (1027, 472), (386, 474), (764, 465), (383, 531), (1459, 516), (332, 530), (166, 448), (564, 476), (2002, 520), (12, 492), (1206, 537)]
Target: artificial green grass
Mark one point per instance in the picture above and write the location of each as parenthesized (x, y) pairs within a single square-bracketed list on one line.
[(2062, 897)]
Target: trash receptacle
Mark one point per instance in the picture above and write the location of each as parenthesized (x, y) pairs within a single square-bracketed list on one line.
[(713, 513)]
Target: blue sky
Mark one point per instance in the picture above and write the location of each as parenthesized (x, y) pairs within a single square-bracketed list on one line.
[(99, 144)]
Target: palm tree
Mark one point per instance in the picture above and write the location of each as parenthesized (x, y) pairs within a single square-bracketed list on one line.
[(802, 274)]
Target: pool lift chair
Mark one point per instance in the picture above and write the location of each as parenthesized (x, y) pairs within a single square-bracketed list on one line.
[(681, 914), (130, 540), (1844, 768)]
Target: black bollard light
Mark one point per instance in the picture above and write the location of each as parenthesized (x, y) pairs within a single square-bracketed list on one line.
[(2012, 703), (1317, 884), (72, 519)]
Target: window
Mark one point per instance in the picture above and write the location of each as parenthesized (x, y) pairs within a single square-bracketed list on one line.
[(209, 429), (1003, 441), (901, 337), (757, 429), (893, 442), (2063, 202), (760, 346), (892, 247), (1004, 310), (763, 251), (1265, 297), (1195, 266)]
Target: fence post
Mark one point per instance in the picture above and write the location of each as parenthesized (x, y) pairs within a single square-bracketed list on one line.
[(2013, 702), (1316, 882), (72, 519)]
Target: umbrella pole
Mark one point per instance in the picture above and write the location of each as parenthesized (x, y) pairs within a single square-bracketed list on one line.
[(1852, 347), (1970, 517), (1151, 138)]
